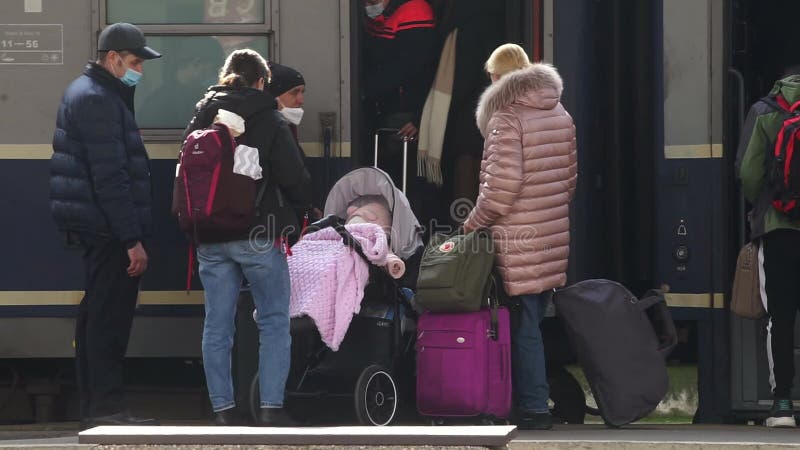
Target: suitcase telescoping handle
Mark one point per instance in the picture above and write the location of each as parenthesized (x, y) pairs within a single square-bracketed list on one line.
[(405, 151)]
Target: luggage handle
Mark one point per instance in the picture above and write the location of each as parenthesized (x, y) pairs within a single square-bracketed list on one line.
[(667, 334), (649, 299), (491, 294), (405, 152)]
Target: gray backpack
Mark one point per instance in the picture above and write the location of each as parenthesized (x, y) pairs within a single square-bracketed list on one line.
[(621, 343)]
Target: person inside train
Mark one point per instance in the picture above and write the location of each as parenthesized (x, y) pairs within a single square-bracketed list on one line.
[(100, 197), (775, 226), (260, 257), (450, 145), (528, 177), (399, 59)]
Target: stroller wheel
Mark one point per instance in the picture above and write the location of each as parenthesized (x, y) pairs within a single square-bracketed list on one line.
[(376, 396)]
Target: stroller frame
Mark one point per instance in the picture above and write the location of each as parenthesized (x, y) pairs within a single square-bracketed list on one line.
[(376, 395)]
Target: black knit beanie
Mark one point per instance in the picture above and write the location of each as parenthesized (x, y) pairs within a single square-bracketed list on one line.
[(283, 79)]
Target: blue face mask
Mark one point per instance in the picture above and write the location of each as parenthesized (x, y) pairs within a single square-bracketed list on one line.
[(131, 77)]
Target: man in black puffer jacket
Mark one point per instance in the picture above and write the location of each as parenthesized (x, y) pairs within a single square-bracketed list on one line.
[(100, 197)]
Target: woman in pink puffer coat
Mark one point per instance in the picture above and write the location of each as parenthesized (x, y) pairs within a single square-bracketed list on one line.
[(528, 177)]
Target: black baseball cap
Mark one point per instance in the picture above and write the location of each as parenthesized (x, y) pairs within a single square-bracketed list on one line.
[(125, 37)]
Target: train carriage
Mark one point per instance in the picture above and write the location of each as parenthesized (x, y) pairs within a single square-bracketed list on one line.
[(658, 90)]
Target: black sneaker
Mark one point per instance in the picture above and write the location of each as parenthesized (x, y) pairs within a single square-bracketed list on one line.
[(534, 421), (782, 414)]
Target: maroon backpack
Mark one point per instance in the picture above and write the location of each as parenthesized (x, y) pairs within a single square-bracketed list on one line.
[(211, 202)]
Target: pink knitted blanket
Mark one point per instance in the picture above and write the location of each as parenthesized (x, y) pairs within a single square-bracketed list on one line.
[(328, 278)]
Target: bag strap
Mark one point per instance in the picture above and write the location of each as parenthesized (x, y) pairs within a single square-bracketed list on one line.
[(491, 294), (779, 103), (650, 298), (773, 103), (667, 334), (259, 197)]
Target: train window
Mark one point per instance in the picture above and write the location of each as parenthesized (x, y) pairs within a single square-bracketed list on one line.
[(170, 88), (195, 37), (153, 12)]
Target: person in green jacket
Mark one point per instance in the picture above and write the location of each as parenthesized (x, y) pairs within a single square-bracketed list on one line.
[(778, 238)]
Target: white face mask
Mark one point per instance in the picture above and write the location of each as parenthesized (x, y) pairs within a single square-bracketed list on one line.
[(374, 11), (293, 115)]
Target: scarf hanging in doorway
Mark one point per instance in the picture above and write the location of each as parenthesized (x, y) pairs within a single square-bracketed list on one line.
[(434, 115)]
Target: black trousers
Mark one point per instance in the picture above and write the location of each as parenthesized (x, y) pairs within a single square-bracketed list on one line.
[(780, 262), (103, 326)]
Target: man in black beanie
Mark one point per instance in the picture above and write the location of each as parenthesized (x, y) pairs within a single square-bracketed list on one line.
[(288, 87)]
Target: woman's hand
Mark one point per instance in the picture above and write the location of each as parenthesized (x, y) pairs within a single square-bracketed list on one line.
[(409, 131)]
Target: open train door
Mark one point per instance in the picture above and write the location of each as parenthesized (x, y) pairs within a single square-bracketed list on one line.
[(756, 38)]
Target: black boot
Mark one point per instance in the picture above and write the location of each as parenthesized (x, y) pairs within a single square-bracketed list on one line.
[(534, 421), (275, 417), (227, 418)]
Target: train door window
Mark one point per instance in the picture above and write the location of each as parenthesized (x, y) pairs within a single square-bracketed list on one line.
[(195, 36)]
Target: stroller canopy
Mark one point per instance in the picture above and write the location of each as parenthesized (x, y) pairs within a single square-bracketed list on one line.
[(405, 237)]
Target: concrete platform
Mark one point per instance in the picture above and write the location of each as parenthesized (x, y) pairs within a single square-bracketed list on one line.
[(655, 437), (483, 436), (666, 437)]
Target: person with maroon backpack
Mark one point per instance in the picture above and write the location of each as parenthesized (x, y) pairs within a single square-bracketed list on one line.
[(770, 175), (230, 250)]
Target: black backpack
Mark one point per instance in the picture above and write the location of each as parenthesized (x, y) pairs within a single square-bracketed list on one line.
[(783, 167)]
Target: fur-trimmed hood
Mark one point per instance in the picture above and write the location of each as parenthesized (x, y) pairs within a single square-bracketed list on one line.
[(538, 86)]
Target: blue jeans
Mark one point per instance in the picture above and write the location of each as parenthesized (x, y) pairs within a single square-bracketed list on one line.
[(222, 267), (530, 376)]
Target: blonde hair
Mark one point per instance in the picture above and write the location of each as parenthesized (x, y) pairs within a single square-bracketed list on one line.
[(507, 58)]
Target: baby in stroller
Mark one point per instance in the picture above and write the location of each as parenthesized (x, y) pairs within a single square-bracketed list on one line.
[(329, 268), (351, 274)]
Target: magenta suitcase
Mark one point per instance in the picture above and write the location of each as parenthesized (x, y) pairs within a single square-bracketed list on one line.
[(462, 370)]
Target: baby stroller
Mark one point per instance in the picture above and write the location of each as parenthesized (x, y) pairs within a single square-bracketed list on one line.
[(373, 367)]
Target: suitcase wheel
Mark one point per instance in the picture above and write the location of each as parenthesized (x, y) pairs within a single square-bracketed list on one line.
[(492, 420), (376, 396), (436, 422)]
